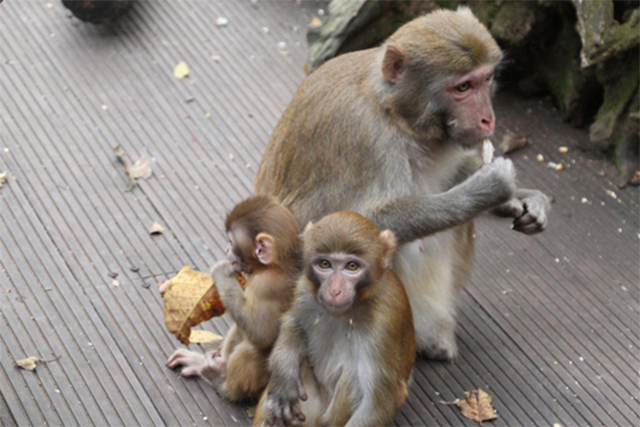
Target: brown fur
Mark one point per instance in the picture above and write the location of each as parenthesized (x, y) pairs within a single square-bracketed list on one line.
[(240, 370), (263, 214), (377, 334), (379, 132)]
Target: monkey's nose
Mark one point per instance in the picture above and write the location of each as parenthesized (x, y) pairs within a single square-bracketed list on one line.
[(335, 292), (488, 123)]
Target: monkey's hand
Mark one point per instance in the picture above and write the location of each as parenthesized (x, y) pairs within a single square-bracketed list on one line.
[(529, 208), (492, 185), (221, 272), (283, 402)]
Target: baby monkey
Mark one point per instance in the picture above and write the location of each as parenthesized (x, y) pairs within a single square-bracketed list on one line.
[(347, 346), (263, 244)]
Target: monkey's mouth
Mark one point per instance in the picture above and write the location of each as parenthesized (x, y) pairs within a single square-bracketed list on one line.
[(337, 309)]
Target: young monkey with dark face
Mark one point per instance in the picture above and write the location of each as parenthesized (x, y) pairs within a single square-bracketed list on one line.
[(264, 244), (347, 346)]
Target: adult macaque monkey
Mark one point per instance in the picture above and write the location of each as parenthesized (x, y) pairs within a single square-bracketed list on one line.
[(264, 244), (386, 132), (347, 346)]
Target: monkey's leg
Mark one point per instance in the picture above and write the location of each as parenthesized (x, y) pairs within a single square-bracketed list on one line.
[(247, 372), (426, 268), (340, 409), (231, 340), (316, 404)]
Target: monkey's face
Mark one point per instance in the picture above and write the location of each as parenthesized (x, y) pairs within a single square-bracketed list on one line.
[(338, 278), (468, 98), (235, 253)]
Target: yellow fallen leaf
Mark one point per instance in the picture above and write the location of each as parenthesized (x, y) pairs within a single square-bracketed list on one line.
[(3, 178), (140, 169), (203, 337), (156, 229), (191, 298), (29, 363), (115, 283), (477, 406), (181, 70), (316, 22), (251, 412)]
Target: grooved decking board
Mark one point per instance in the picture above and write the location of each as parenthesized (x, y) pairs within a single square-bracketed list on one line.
[(548, 324)]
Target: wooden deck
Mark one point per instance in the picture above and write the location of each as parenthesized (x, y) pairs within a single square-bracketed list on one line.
[(549, 325)]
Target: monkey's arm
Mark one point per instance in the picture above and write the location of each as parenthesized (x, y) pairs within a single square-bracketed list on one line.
[(414, 217), (260, 322), (285, 387)]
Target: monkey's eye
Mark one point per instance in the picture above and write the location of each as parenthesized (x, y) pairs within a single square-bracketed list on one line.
[(490, 78), (352, 266), (463, 87), (324, 264)]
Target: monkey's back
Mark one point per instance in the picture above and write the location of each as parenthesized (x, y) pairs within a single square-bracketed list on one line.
[(327, 143)]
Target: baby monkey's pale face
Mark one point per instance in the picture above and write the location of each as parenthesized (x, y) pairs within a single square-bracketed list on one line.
[(339, 277), (234, 254)]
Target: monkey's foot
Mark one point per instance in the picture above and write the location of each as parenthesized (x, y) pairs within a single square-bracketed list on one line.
[(215, 366), (192, 363), (162, 287)]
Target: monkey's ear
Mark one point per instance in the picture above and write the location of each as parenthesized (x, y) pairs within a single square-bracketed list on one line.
[(265, 250), (394, 63), (389, 244)]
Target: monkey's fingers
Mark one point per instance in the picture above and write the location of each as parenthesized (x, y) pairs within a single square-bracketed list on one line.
[(295, 410), (183, 357), (302, 393), (175, 358), (531, 228), (287, 418), (190, 371), (514, 208), (524, 220), (162, 287)]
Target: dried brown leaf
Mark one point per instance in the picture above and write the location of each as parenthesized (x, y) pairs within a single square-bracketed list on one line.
[(204, 337), (477, 406), (3, 178), (511, 142), (251, 412), (190, 298), (141, 169), (156, 229), (29, 363)]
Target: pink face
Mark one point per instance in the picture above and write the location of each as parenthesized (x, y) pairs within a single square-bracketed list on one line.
[(472, 113), (340, 277), (234, 254)]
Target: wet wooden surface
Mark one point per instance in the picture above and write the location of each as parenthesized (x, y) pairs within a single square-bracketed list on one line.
[(549, 325)]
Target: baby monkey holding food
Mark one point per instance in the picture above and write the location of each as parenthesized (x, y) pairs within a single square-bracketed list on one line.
[(264, 245)]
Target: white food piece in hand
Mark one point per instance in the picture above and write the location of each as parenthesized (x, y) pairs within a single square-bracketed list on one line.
[(487, 151)]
